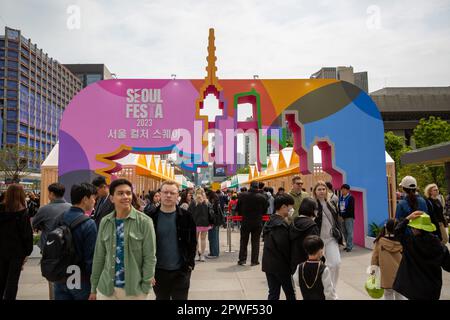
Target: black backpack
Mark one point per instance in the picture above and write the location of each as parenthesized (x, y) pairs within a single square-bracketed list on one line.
[(59, 250), (216, 215)]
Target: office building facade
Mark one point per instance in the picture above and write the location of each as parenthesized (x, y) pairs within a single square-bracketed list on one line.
[(34, 91), (402, 107), (90, 73), (360, 79)]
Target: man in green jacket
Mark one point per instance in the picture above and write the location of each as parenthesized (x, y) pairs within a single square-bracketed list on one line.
[(125, 252), (298, 194)]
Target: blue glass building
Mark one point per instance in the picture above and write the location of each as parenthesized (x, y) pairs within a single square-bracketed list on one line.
[(34, 91)]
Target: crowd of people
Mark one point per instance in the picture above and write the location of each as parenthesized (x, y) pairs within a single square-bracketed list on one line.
[(123, 245)]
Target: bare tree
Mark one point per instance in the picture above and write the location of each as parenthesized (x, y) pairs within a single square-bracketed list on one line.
[(14, 162)]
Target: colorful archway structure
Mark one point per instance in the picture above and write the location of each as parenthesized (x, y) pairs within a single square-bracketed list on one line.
[(110, 119)]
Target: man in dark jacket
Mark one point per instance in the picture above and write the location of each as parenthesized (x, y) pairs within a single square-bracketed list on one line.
[(84, 238), (103, 205), (276, 260), (347, 212), (44, 219), (223, 199), (252, 205), (176, 244), (419, 276)]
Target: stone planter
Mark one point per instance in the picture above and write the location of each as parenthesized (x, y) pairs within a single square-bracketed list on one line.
[(368, 242)]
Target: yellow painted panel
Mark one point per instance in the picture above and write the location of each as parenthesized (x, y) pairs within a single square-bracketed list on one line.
[(142, 160), (152, 163), (281, 162), (160, 170), (285, 92), (295, 160)]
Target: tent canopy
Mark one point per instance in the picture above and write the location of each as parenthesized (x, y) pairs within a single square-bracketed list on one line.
[(52, 158)]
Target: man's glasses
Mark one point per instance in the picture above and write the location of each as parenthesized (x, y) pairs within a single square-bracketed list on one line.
[(167, 193), (299, 183)]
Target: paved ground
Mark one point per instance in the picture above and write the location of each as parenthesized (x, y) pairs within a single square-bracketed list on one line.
[(223, 279)]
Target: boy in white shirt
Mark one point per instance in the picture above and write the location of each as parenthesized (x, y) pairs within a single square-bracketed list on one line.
[(314, 276)]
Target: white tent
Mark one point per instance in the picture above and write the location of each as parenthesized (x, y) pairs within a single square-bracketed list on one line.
[(388, 158), (52, 158)]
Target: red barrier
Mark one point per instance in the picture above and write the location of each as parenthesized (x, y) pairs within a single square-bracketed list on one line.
[(265, 217)]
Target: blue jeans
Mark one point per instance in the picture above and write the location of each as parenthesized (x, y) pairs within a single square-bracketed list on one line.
[(213, 238), (61, 291), (348, 232)]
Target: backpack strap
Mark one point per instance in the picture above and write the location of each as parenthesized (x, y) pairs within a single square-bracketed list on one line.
[(75, 223)]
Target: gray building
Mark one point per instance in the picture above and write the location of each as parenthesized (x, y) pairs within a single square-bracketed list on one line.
[(240, 159), (34, 91), (402, 108), (325, 73), (359, 79), (250, 145), (362, 81), (90, 73)]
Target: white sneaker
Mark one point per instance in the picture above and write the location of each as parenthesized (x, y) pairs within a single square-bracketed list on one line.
[(202, 258)]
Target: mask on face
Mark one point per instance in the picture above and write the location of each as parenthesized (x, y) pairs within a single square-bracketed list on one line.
[(291, 212)]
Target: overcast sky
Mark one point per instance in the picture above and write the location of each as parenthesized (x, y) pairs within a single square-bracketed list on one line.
[(399, 43)]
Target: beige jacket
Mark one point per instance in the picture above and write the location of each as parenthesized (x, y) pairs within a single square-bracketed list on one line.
[(387, 254)]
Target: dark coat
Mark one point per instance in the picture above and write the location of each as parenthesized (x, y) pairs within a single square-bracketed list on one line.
[(46, 216), (436, 212), (277, 249), (103, 209), (33, 207), (187, 235), (16, 235), (334, 212), (223, 199), (252, 205), (84, 239), (419, 276), (200, 213), (349, 211), (298, 231), (149, 208), (219, 219)]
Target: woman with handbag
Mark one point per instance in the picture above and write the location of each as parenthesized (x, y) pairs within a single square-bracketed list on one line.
[(329, 228), (16, 240), (435, 204), (200, 210)]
